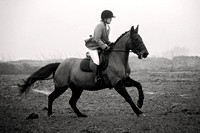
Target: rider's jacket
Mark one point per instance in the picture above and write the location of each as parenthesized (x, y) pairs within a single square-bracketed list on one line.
[(100, 38)]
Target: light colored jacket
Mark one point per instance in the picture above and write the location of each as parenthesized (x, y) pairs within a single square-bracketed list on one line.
[(100, 38)]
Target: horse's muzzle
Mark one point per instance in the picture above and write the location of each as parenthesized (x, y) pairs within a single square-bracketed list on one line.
[(143, 54)]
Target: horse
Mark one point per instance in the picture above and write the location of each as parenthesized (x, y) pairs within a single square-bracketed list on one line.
[(68, 74)]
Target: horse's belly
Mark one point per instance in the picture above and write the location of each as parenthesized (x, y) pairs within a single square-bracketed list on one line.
[(84, 80)]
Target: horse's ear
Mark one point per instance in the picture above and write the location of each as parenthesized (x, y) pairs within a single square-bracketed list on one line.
[(132, 30), (136, 30)]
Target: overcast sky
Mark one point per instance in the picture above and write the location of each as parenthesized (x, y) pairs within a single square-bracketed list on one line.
[(47, 29)]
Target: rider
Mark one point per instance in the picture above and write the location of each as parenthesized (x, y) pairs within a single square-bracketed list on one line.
[(100, 41)]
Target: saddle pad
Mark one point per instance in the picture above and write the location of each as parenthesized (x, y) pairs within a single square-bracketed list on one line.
[(85, 65)]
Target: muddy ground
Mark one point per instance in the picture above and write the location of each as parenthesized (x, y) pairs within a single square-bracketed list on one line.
[(172, 104)]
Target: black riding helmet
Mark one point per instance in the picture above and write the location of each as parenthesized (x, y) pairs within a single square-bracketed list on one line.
[(107, 14)]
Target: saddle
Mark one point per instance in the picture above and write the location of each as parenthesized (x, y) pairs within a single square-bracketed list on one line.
[(103, 58)]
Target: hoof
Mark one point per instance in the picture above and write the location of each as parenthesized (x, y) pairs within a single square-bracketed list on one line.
[(82, 115), (142, 115), (139, 113), (49, 114)]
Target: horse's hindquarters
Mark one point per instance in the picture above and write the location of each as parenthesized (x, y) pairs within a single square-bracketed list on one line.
[(63, 72), (69, 71)]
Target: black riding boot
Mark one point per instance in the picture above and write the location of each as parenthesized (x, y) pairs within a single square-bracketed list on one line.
[(97, 79)]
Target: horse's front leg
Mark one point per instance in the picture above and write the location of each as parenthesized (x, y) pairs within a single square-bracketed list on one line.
[(120, 88), (128, 82)]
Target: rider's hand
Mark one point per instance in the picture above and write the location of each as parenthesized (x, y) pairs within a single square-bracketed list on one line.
[(107, 48)]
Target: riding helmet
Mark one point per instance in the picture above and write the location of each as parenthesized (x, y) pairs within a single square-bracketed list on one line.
[(107, 14)]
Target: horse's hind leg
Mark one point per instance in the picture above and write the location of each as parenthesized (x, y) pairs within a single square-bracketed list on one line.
[(120, 88), (76, 93), (55, 94)]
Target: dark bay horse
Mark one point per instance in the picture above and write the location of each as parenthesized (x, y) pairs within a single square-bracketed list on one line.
[(69, 75)]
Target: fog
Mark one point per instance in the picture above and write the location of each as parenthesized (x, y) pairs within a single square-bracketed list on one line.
[(49, 29)]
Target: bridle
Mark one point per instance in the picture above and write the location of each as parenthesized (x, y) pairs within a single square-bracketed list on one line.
[(127, 43)]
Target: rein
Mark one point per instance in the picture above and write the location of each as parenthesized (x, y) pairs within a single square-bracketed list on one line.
[(121, 50), (118, 50)]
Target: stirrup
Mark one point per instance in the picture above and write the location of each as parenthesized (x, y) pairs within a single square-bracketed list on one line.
[(97, 81)]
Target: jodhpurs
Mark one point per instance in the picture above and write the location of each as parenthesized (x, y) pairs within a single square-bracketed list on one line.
[(94, 55)]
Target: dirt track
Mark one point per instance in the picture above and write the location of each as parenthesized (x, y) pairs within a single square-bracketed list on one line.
[(172, 104)]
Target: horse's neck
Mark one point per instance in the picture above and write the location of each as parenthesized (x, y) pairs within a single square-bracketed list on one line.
[(120, 51)]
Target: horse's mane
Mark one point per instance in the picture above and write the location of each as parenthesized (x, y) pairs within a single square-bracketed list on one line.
[(120, 37)]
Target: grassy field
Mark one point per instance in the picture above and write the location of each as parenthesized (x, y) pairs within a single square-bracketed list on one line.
[(171, 105)]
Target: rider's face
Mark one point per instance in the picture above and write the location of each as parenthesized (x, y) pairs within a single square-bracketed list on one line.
[(108, 20)]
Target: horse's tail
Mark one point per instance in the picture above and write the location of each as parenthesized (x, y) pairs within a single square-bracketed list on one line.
[(41, 74)]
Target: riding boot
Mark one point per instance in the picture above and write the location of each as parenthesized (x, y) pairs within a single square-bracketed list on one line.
[(97, 79)]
